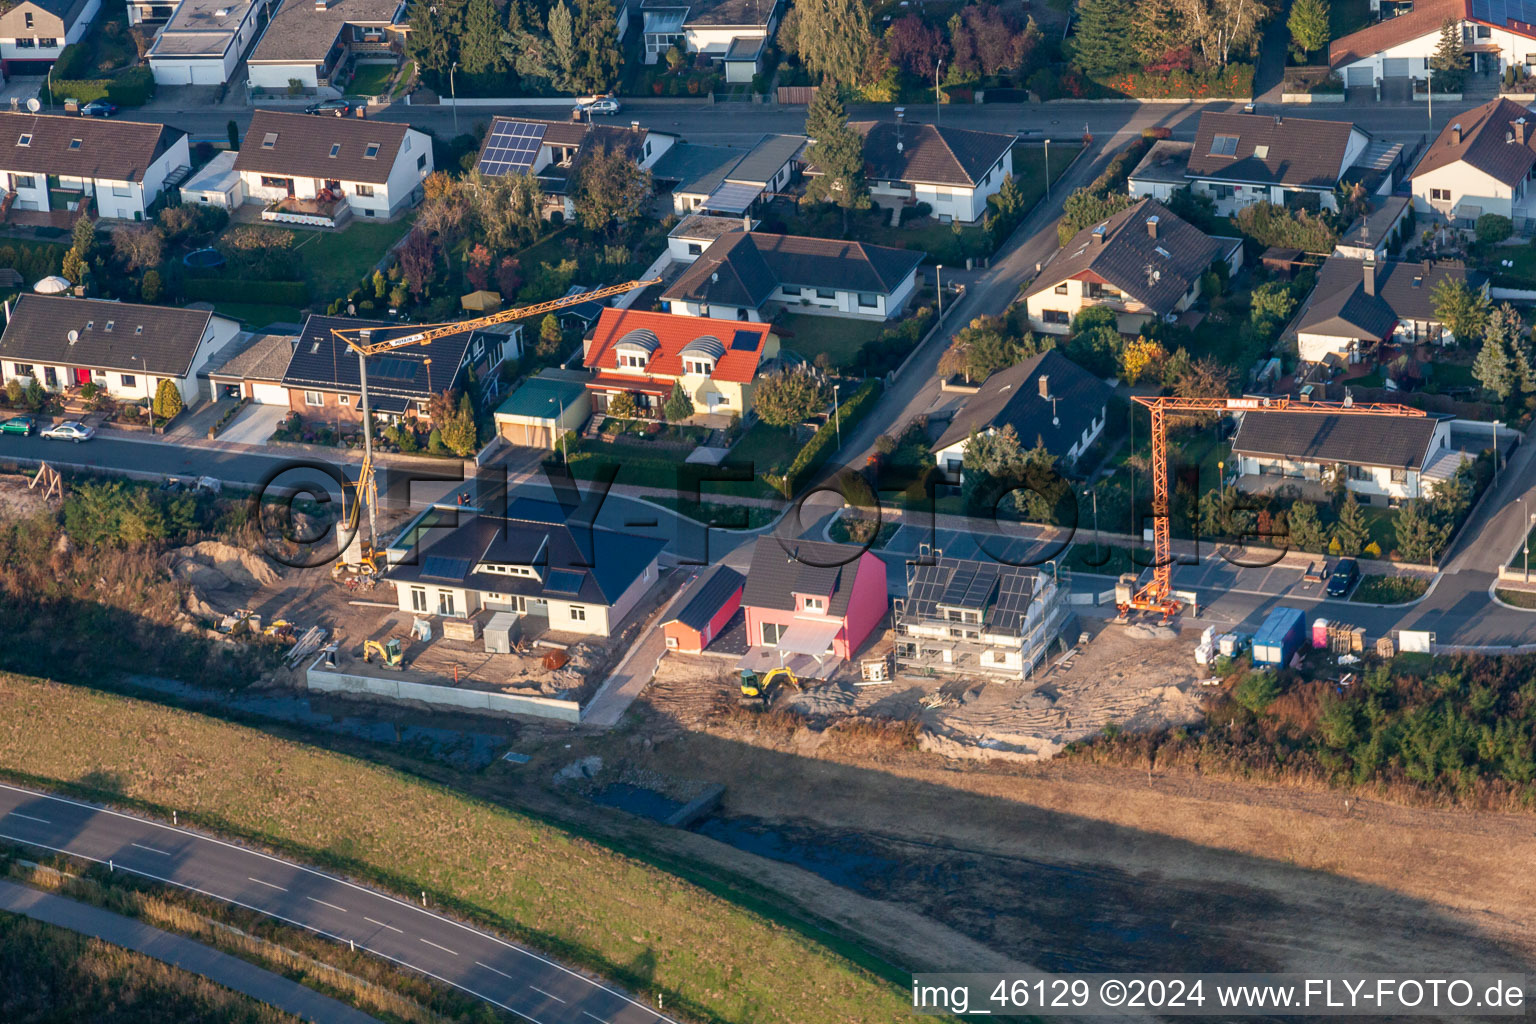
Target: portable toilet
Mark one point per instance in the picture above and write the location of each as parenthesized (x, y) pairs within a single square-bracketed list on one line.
[(1320, 634)]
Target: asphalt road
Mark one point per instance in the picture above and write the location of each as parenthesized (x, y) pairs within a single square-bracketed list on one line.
[(507, 976)]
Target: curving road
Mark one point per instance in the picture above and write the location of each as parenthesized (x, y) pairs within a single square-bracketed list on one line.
[(507, 976)]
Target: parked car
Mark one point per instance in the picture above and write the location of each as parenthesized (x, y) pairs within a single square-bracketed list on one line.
[(98, 108), (601, 105), (70, 430), (19, 425), (336, 108), (1345, 575)]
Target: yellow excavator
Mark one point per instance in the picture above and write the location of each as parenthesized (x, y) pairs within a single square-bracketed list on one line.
[(362, 563), (765, 689), (391, 653)]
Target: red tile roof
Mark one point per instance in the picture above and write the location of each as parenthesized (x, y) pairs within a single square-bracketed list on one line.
[(672, 334), (1425, 18)]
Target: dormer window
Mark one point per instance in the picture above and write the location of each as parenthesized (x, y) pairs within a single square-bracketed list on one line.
[(371, 152), (110, 323), (25, 140), (702, 367), (813, 604), (335, 148)]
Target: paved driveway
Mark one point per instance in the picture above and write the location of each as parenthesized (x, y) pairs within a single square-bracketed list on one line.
[(255, 424)]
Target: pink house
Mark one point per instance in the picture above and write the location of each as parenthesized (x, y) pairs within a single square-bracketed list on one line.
[(812, 597)]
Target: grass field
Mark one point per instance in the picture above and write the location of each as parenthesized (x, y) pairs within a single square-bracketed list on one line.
[(810, 335), (627, 920), (335, 261), (1389, 589), (370, 79)]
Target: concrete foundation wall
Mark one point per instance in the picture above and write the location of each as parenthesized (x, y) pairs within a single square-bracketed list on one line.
[(328, 681)]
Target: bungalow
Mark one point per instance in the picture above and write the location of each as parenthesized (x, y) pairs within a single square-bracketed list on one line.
[(544, 407), (1383, 459), (953, 170), (322, 378), (1145, 263), (123, 348), (1479, 163), (553, 151), (530, 562), (962, 615), (320, 170), (713, 599), (255, 373), (732, 33), (645, 354), (34, 32), (813, 598), (1378, 230), (57, 163), (1494, 36), (1162, 172), (1047, 399), (733, 183), (1242, 159), (1357, 305), (750, 276), (203, 41), (315, 42)]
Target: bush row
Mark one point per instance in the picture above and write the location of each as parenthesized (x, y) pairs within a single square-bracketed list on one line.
[(1232, 81), (823, 445), (218, 289)]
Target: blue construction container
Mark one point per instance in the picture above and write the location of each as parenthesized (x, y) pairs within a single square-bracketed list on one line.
[(1279, 637)]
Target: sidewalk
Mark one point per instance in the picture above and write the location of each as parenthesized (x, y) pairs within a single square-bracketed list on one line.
[(179, 951), (630, 678)]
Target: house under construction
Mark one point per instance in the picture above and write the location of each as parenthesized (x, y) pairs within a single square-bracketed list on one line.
[(986, 618)]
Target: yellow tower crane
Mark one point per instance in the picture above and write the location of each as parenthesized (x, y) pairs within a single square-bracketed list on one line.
[(361, 340)]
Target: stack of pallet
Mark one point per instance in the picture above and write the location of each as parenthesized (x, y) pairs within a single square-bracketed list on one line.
[(1345, 639)]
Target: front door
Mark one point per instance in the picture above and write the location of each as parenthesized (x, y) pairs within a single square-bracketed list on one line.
[(82, 375)]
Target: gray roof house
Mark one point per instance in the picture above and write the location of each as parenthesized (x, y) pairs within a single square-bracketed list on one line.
[(1357, 305), (310, 42), (1382, 459), (731, 182), (1241, 159), (1047, 399), (742, 272)]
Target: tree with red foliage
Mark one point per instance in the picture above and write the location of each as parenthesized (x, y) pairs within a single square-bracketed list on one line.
[(477, 267), (509, 276), (418, 261), (915, 46)]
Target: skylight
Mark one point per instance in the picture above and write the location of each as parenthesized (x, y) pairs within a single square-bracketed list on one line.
[(269, 140), (110, 323), (372, 152), (1164, 253), (335, 148), (74, 143), (25, 140), (1261, 151), (1224, 145)]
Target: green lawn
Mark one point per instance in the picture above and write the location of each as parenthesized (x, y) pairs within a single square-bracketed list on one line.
[(1518, 598), (810, 335), (370, 80), (1389, 589), (336, 261), (1382, 525), (258, 315), (1029, 167), (406, 74), (767, 448)]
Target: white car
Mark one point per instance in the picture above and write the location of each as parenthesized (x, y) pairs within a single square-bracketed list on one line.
[(606, 105), (70, 430)]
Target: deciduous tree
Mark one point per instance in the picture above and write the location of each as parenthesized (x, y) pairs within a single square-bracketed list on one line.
[(611, 188), (786, 398), (418, 261), (915, 46), (834, 39)]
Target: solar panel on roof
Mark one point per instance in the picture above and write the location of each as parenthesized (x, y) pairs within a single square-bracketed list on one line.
[(563, 581), (959, 583), (393, 369), (981, 585), (512, 148), (444, 568), (745, 341)]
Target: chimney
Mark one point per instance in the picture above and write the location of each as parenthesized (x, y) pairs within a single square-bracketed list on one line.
[(1152, 226), (1370, 277), (1098, 235), (1520, 130), (634, 126), (1045, 387), (746, 222), (1278, 119), (1456, 134)]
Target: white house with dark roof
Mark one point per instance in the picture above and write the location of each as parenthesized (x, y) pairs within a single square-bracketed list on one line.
[(1145, 263), (987, 617), (730, 182), (1358, 305), (1481, 162), (553, 151), (312, 41), (125, 348), (750, 275), (1382, 459), (734, 33), (53, 162), (203, 40), (34, 32), (321, 170), (954, 170), (696, 232), (1241, 159)]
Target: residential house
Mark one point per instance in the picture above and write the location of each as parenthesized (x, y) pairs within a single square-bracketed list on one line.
[(320, 171), (322, 378), (1144, 263), (732, 33), (813, 598), (644, 354), (316, 42), (1379, 230), (1382, 459), (255, 373), (216, 183), (1481, 162), (57, 163), (729, 182), (1162, 172), (750, 276), (553, 151), (1047, 399), (34, 32), (991, 618), (697, 232), (713, 600), (1358, 305), (953, 170), (123, 348), (532, 562), (203, 41), (1494, 36), (1242, 159), (544, 408)]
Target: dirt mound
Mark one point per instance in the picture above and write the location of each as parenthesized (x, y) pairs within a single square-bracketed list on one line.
[(214, 565), (993, 748)]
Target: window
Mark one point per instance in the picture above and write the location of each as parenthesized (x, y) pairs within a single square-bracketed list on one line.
[(1056, 316), (790, 289), (771, 633), (698, 366), (825, 293), (671, 643), (371, 151), (868, 300), (632, 360), (344, 399), (50, 377), (314, 398), (421, 162), (943, 191), (25, 140), (1440, 194), (24, 370), (335, 148), (74, 143), (695, 249), (1399, 476), (128, 380), (578, 614), (25, 44), (1061, 289), (269, 140), (445, 605), (48, 42), (29, 19), (1222, 191), (365, 191), (418, 599), (1224, 145), (121, 190), (814, 604), (268, 181)]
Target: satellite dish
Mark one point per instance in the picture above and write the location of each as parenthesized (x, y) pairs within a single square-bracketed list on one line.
[(33, 105), (74, 336)]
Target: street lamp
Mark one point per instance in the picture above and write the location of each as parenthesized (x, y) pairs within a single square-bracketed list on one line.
[(1221, 477), (1526, 545), (936, 68), (147, 393), (1047, 168), (938, 282), (453, 94), (1091, 492), (565, 453), (837, 416)]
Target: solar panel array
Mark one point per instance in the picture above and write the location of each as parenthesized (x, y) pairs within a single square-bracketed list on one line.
[(443, 568), (970, 585), (512, 147), (1502, 12), (392, 368), (745, 341), (964, 583), (563, 581)]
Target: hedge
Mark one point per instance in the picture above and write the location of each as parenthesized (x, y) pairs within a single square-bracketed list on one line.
[(218, 289), (1233, 81), (133, 88), (823, 445)]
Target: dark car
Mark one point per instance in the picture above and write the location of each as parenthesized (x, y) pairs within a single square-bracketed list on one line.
[(1345, 575), (336, 108), (18, 425), (98, 108)]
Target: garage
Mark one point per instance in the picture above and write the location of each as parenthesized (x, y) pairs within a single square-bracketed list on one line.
[(268, 394), (1359, 75), (1397, 67)]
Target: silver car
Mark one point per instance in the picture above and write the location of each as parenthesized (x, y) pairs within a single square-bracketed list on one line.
[(70, 430)]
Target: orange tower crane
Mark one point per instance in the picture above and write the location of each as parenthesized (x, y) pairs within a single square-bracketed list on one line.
[(361, 341), (1157, 594)]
